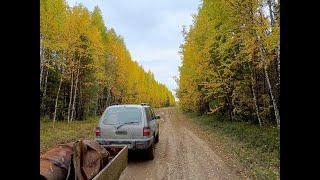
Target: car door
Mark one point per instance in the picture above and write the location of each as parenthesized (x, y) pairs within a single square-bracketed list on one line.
[(155, 121), (151, 120)]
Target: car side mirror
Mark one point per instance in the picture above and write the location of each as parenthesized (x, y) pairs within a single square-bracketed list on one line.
[(157, 117)]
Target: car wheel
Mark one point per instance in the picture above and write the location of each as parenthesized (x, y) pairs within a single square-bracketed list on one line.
[(150, 152), (157, 138)]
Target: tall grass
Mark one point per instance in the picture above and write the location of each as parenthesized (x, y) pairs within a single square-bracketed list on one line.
[(256, 148), (64, 132)]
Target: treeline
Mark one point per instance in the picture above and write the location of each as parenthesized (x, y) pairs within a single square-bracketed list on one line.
[(231, 61), (85, 66)]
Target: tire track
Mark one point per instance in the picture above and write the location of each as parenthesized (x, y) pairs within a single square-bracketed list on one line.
[(180, 154)]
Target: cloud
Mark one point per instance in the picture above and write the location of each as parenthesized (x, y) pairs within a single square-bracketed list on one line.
[(164, 71), (154, 54), (151, 30)]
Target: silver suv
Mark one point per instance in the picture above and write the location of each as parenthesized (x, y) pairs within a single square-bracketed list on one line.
[(134, 125)]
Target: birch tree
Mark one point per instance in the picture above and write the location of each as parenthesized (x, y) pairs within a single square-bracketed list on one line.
[(85, 67), (227, 56)]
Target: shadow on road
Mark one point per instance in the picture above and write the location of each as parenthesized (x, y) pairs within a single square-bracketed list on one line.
[(137, 156)]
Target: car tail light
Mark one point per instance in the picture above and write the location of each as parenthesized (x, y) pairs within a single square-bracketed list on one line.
[(98, 132), (146, 131)]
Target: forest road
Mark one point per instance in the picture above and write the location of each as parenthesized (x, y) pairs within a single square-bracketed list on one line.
[(180, 154)]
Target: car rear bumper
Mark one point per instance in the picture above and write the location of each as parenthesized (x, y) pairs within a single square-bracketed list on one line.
[(133, 144)]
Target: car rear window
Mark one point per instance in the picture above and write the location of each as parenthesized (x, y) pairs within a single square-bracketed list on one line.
[(119, 115)]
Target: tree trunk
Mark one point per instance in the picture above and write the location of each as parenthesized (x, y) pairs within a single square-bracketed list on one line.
[(275, 107), (97, 104), (278, 61), (255, 101), (75, 93), (70, 96), (57, 98), (108, 98), (230, 107), (275, 12), (41, 66), (203, 108), (45, 84), (44, 94), (271, 12), (47, 71), (80, 108), (262, 57)]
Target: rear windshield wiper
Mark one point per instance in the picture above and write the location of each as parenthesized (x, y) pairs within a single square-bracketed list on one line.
[(127, 123)]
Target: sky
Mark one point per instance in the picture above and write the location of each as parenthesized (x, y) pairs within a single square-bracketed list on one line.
[(151, 30)]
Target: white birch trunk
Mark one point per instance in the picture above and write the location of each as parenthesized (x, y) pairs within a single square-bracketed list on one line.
[(108, 98), (45, 88), (56, 102), (75, 93), (278, 62), (44, 93), (262, 57), (97, 104), (41, 66), (70, 96), (255, 102), (275, 11), (275, 107), (45, 84), (271, 12)]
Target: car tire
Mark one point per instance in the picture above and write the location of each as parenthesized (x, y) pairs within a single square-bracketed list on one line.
[(150, 152), (157, 138)]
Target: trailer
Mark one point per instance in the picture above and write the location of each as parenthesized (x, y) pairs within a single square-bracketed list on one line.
[(84, 160), (118, 162)]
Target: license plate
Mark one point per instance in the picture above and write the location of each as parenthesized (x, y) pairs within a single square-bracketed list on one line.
[(123, 143), (121, 132)]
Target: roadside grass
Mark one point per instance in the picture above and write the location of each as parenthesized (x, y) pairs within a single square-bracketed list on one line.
[(64, 132), (257, 149)]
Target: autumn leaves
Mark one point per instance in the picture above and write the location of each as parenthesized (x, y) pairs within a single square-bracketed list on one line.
[(231, 61), (85, 66)]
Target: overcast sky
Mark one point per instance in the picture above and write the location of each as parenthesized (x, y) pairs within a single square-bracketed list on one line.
[(151, 30)]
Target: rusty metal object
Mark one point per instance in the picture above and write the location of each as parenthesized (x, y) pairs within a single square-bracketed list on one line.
[(54, 164), (104, 154), (81, 160), (89, 158)]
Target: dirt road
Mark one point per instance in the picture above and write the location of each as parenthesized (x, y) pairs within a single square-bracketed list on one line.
[(180, 154)]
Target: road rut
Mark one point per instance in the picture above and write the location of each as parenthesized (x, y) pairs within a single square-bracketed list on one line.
[(180, 154)]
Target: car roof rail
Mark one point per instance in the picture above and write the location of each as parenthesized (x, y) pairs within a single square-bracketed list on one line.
[(144, 104), (115, 104)]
